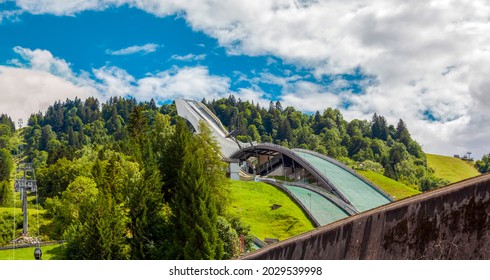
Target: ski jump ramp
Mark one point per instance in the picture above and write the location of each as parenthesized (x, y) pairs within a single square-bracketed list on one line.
[(352, 192)]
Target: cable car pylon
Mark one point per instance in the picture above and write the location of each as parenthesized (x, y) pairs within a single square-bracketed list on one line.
[(27, 183)]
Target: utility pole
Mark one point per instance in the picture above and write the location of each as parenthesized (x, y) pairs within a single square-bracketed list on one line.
[(26, 183)]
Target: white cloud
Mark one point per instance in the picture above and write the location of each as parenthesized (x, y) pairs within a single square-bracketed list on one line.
[(144, 49), (427, 56), (39, 79), (27, 91), (60, 7), (186, 82), (256, 96), (114, 81), (188, 57), (43, 60), (309, 97)]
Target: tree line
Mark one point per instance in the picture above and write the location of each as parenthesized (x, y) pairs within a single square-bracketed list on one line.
[(374, 144), (130, 180)]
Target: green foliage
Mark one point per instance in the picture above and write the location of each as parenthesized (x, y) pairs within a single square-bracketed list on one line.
[(54, 179), (6, 228), (195, 214), (6, 164), (483, 165), (327, 133), (402, 134), (70, 208), (430, 182), (107, 178), (379, 127), (231, 230), (229, 237), (147, 224), (371, 165), (215, 169), (6, 193), (128, 180), (101, 235), (171, 158)]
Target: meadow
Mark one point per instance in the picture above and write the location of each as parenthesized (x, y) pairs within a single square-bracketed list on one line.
[(394, 188), (451, 168), (50, 252), (253, 201)]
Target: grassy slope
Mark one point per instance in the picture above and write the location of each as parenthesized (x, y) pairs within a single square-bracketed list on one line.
[(33, 216), (390, 186), (50, 252), (450, 168), (252, 201)]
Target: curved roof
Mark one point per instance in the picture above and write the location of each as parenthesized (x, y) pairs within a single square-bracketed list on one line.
[(335, 177), (362, 194), (273, 149)]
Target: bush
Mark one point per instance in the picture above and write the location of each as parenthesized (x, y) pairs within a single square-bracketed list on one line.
[(6, 194), (371, 165), (7, 227)]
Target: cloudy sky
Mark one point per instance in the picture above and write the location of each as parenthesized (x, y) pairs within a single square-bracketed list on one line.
[(426, 62)]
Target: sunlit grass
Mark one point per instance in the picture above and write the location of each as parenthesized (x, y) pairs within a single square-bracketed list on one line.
[(394, 188), (252, 201), (50, 252), (450, 168)]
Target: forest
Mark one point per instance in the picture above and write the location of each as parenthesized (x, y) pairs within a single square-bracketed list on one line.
[(370, 145), (130, 180)]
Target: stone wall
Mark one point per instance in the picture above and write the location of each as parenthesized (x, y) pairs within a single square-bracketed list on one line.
[(449, 223)]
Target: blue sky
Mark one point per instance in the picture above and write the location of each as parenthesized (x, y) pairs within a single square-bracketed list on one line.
[(117, 36), (423, 62)]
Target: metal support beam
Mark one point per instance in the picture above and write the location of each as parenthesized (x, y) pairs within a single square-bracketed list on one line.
[(26, 183)]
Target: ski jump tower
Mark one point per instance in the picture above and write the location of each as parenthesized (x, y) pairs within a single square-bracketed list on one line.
[(26, 183)]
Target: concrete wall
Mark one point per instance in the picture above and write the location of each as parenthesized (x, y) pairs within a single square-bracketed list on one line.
[(234, 170), (448, 223)]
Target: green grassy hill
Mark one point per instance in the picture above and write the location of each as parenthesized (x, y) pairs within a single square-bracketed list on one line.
[(252, 201), (394, 188), (450, 168), (50, 252)]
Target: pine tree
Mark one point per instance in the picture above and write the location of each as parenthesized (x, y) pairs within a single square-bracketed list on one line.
[(102, 235), (145, 197), (170, 162), (72, 138), (389, 172), (6, 193), (402, 134), (379, 128), (216, 175), (6, 164), (194, 206)]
